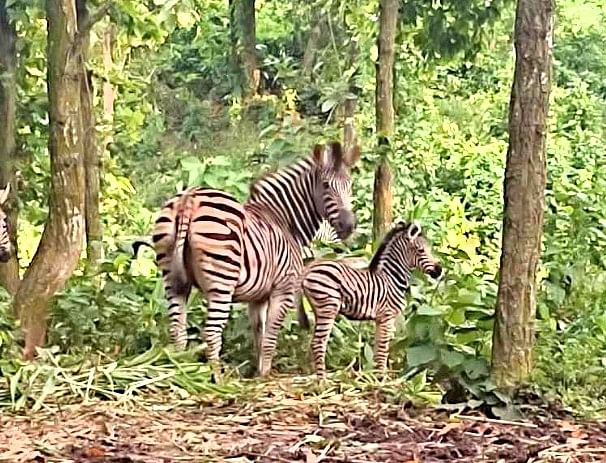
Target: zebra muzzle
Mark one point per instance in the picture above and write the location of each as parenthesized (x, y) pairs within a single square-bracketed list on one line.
[(5, 255), (435, 271), (346, 224)]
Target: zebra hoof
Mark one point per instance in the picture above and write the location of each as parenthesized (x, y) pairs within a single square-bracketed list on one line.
[(217, 372)]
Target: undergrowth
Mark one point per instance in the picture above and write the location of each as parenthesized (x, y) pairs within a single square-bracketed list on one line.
[(177, 124)]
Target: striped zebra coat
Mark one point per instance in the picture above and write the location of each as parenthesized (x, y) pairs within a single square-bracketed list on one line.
[(250, 252), (5, 242), (376, 293)]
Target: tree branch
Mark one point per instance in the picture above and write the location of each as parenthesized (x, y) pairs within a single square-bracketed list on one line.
[(90, 22)]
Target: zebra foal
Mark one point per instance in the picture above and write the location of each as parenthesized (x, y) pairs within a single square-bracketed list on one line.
[(251, 252), (376, 293), (5, 242)]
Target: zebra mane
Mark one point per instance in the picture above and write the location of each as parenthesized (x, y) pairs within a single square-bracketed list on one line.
[(301, 221), (383, 247), (270, 174)]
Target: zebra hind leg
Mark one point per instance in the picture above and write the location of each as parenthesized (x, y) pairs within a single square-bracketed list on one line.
[(177, 294), (219, 307), (257, 315), (278, 306)]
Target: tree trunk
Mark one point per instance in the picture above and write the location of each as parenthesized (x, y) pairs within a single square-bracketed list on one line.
[(313, 43), (349, 106), (109, 91), (62, 239), (92, 160), (525, 177), (382, 196), (244, 41), (9, 271)]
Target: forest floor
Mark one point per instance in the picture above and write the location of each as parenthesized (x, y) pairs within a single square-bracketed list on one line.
[(282, 425)]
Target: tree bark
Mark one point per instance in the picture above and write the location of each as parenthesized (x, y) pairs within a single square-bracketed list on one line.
[(61, 243), (313, 43), (524, 195), (9, 271), (109, 91), (349, 106), (244, 41), (382, 196), (92, 160)]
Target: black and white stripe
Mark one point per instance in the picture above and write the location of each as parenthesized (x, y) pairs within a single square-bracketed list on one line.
[(325, 236), (376, 293), (251, 252), (5, 242)]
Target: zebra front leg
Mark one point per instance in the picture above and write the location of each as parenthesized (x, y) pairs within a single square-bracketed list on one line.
[(325, 320), (257, 315), (278, 306), (385, 329), (177, 295)]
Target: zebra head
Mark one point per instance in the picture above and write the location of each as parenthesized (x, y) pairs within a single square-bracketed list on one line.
[(5, 243), (333, 190), (416, 251)]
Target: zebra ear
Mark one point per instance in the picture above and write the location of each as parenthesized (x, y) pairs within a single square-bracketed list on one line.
[(4, 193), (414, 231), (336, 153), (353, 155), (320, 155)]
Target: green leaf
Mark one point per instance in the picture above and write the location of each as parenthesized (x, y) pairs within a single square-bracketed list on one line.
[(328, 105), (419, 355), (425, 309), (476, 368), (451, 358), (368, 354)]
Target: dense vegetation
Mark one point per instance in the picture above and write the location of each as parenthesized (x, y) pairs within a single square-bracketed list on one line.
[(179, 120)]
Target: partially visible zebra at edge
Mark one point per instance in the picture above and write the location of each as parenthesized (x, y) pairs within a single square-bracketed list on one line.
[(251, 252), (325, 235), (5, 242), (376, 293)]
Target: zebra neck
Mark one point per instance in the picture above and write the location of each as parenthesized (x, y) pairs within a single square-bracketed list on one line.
[(288, 195), (398, 274)]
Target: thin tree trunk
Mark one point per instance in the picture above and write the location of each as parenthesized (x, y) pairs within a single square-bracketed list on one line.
[(382, 196), (525, 177), (109, 91), (243, 30), (92, 160), (349, 127), (313, 43), (349, 106), (63, 236), (9, 271)]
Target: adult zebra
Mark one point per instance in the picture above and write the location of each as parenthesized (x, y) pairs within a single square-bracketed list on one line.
[(376, 293), (5, 242), (325, 235), (251, 252)]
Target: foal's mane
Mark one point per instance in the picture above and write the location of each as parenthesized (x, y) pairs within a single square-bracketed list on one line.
[(389, 237)]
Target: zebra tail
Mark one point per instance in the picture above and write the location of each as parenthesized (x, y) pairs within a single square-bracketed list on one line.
[(302, 315), (183, 222), (302, 318), (136, 246)]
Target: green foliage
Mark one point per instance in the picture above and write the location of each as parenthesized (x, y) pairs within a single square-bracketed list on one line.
[(179, 122), (59, 378)]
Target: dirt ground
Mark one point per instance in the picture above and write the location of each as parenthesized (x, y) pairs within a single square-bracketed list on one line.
[(290, 428)]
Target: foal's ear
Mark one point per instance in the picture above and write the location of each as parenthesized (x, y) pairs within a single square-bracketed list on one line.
[(4, 193), (414, 231)]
